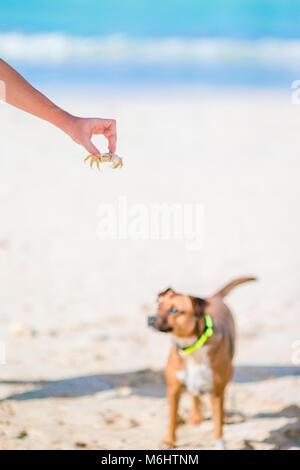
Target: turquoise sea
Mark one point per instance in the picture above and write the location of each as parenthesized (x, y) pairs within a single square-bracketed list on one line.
[(248, 43)]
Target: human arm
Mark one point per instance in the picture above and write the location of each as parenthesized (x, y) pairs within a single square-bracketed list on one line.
[(20, 94)]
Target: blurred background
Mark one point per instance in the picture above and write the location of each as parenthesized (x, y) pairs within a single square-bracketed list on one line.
[(170, 43), (203, 98)]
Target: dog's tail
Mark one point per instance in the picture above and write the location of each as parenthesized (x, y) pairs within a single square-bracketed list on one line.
[(232, 284)]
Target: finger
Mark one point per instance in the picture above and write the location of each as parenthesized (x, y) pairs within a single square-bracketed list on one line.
[(112, 144), (99, 125), (107, 127), (111, 134), (111, 137)]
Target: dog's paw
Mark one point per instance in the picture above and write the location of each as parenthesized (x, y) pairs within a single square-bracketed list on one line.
[(195, 419), (220, 444), (166, 444)]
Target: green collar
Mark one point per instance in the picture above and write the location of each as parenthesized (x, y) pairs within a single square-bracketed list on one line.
[(203, 338)]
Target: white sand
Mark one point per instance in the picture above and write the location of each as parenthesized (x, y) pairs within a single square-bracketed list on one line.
[(73, 308)]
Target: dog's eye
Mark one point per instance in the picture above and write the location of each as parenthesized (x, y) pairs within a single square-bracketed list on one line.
[(173, 310)]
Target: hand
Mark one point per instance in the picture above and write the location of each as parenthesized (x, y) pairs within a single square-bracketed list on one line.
[(22, 95), (81, 131)]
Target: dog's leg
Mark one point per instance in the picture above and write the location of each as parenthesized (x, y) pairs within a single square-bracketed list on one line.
[(173, 394), (217, 400), (196, 416)]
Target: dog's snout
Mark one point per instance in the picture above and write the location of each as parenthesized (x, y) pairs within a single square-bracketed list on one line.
[(159, 323), (151, 320)]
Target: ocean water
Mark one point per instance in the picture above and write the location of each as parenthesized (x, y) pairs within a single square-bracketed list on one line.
[(251, 43)]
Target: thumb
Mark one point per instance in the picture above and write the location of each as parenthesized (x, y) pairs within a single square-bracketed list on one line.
[(91, 148)]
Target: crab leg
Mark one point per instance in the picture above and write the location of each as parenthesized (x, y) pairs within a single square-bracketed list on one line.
[(116, 165)]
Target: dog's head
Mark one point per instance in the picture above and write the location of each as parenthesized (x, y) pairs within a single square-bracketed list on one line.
[(177, 313)]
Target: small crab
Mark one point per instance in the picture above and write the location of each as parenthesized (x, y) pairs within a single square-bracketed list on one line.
[(105, 157)]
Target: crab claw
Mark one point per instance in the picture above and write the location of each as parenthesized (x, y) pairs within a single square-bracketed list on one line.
[(117, 162)]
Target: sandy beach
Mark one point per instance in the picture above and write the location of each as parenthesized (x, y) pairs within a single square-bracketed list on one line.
[(83, 370)]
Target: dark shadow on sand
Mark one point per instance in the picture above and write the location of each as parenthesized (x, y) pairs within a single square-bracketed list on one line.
[(285, 437), (142, 382), (246, 374)]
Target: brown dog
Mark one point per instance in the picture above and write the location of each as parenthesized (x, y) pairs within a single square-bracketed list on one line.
[(201, 356)]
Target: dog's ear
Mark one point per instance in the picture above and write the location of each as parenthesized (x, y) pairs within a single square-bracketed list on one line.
[(198, 306), (169, 289)]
